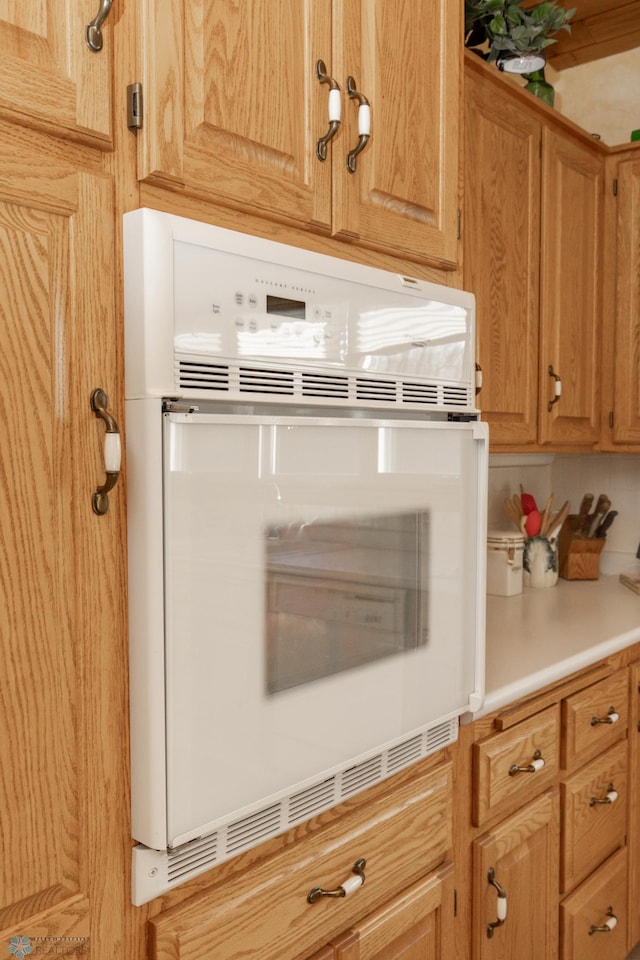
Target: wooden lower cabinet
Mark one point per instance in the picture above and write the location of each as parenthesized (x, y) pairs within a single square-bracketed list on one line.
[(519, 859), (594, 917), (414, 926)]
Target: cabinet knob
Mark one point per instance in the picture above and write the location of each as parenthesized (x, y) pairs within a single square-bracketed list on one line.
[(536, 764), (610, 797), (335, 109), (612, 717), (607, 926), (345, 888), (112, 451), (557, 388), (501, 903), (364, 123), (93, 34)]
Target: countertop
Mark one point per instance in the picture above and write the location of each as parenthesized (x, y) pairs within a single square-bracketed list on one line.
[(543, 635)]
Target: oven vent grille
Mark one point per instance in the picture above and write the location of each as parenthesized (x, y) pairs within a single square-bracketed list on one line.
[(155, 872), (200, 377), (192, 858), (363, 775)]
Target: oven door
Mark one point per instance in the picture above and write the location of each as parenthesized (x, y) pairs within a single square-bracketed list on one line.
[(323, 598)]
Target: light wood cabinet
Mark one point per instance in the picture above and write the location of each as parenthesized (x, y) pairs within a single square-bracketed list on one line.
[(233, 112), (595, 802), (517, 863), (414, 926), (593, 920), (534, 195), (62, 620), (265, 913), (622, 344), (502, 254), (49, 78), (570, 295), (513, 766)]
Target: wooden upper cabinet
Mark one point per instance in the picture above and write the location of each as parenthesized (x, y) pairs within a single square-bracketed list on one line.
[(49, 78), (405, 58), (232, 105), (626, 372), (501, 255), (234, 111), (570, 307)]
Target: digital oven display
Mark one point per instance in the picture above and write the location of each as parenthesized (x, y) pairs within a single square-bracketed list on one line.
[(285, 307)]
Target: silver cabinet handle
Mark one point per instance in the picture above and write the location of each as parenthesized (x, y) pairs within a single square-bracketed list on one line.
[(335, 109), (537, 763), (94, 29), (610, 797), (501, 904), (345, 888), (112, 451), (607, 926), (611, 717), (364, 123)]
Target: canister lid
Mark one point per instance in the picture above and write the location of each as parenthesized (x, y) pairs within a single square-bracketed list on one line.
[(505, 538)]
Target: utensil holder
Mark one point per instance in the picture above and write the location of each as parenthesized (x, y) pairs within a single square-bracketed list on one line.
[(579, 556)]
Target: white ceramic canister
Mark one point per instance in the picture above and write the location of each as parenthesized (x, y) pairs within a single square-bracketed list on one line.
[(504, 562)]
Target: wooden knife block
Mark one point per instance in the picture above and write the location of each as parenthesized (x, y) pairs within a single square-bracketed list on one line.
[(578, 557)]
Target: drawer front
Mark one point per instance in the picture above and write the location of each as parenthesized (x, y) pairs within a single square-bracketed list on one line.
[(499, 787), (601, 901), (594, 808), (265, 913), (594, 719)]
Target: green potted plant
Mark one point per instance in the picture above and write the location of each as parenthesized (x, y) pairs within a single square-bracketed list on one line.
[(514, 38)]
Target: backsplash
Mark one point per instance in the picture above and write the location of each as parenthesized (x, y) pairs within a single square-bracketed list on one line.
[(568, 477)]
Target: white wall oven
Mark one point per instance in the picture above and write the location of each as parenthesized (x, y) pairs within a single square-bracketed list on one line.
[(307, 521)]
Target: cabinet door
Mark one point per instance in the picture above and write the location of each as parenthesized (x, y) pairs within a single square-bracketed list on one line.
[(411, 927), (501, 254), (233, 108), (49, 78), (626, 385), (633, 840), (62, 739), (572, 201), (405, 58), (522, 856)]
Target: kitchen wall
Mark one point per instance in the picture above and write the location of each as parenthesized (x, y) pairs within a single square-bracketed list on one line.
[(568, 477), (602, 96)]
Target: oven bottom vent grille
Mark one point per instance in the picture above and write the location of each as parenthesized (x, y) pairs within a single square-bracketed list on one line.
[(197, 377), (156, 871)]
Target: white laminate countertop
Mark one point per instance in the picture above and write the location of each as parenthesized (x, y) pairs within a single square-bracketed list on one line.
[(543, 635)]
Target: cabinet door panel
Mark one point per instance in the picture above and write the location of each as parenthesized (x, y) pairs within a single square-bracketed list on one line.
[(501, 255), (410, 927), (62, 710), (572, 199), (600, 897), (523, 852), (404, 57), (48, 76), (626, 387), (233, 108)]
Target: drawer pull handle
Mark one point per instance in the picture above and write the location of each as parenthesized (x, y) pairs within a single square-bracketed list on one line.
[(611, 797), (349, 885), (112, 451), (611, 717), (607, 926), (501, 903), (536, 764)]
